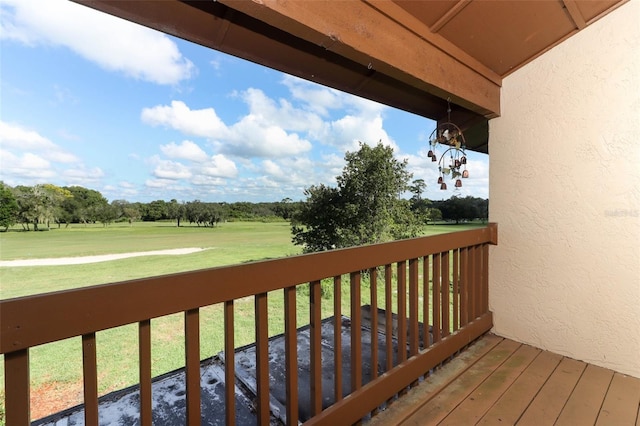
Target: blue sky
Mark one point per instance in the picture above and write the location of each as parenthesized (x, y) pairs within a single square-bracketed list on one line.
[(89, 99)]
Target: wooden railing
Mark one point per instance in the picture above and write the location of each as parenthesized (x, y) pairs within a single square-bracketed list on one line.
[(442, 279)]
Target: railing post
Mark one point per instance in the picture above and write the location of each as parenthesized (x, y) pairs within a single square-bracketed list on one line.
[(90, 373), (315, 328), (337, 336), (16, 385), (356, 333), (262, 358), (229, 364), (144, 358), (192, 364), (402, 310), (414, 338), (291, 355)]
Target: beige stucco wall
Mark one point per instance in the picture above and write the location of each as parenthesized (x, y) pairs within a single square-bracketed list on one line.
[(565, 192)]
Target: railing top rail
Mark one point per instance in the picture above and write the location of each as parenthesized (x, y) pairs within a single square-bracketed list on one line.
[(34, 320)]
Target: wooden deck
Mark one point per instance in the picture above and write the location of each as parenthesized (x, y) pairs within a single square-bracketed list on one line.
[(499, 381)]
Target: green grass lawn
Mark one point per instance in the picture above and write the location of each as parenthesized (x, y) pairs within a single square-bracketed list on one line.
[(59, 363)]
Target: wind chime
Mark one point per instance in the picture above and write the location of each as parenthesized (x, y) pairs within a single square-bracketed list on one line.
[(453, 161)]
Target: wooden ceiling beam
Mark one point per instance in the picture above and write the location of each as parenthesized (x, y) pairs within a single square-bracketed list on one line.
[(457, 8), (358, 32), (411, 23), (574, 13)]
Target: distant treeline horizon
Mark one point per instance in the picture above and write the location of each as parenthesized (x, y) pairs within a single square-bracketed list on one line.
[(47, 204)]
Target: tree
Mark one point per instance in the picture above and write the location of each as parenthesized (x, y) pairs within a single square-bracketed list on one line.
[(467, 208), (285, 208), (155, 210), (27, 204), (175, 211), (9, 208), (365, 207), (316, 225), (85, 206), (417, 188)]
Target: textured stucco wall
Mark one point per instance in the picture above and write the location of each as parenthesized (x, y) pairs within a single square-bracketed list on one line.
[(565, 192)]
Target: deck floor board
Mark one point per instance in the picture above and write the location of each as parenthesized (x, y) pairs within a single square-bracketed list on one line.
[(449, 398), (471, 410), (509, 383), (620, 404)]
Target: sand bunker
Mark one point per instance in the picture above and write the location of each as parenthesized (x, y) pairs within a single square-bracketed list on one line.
[(94, 259)]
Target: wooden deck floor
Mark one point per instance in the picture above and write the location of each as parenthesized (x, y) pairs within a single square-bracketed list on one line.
[(501, 382)]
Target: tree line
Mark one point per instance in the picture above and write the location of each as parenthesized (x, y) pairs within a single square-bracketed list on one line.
[(45, 205), (368, 205)]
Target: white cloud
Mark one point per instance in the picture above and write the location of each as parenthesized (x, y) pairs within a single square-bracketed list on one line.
[(345, 133), (204, 180), (171, 170), (203, 122), (187, 150), (13, 137), (26, 166), (315, 98), (112, 43), (81, 175), (218, 166), (255, 135), (282, 113)]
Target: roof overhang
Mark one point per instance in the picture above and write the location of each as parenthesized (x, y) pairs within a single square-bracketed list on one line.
[(412, 55)]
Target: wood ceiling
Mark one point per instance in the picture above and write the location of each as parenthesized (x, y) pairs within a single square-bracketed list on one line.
[(409, 54), (504, 35)]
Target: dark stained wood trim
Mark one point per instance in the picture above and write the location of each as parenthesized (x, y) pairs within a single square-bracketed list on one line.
[(34, 320)]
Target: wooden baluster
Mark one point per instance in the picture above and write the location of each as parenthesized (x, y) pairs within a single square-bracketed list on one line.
[(291, 355), (90, 376), (373, 287), (388, 321), (192, 364), (485, 278), (456, 289), (444, 291), (464, 286), (426, 294), (479, 280), (17, 382), (414, 338), (315, 329), (144, 357), (472, 277), (437, 264), (402, 310), (262, 358), (229, 365), (356, 333), (337, 336)]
